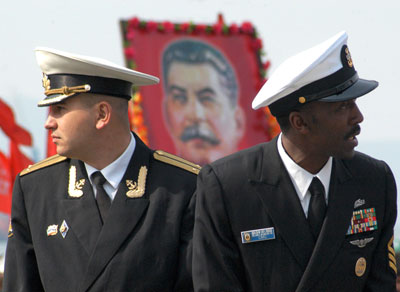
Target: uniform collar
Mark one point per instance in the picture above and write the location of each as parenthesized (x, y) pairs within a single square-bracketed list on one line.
[(115, 171), (300, 177)]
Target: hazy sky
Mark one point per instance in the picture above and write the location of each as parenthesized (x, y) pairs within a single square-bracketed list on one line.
[(286, 27)]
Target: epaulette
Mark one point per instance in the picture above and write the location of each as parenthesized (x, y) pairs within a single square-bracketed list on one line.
[(176, 161), (44, 163)]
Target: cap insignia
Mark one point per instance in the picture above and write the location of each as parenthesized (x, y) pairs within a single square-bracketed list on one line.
[(46, 82), (348, 58)]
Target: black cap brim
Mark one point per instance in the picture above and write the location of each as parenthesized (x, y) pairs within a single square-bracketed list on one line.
[(359, 88)]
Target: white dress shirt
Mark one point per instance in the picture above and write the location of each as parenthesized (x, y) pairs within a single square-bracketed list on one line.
[(114, 172), (301, 178)]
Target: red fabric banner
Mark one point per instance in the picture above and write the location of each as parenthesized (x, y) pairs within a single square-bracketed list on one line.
[(17, 161)]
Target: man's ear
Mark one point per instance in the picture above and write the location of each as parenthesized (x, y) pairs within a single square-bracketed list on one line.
[(103, 116), (240, 121), (298, 122)]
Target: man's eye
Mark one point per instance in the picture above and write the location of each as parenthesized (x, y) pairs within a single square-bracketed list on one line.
[(207, 99), (181, 98)]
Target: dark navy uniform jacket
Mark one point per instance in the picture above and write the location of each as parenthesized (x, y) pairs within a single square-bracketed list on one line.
[(252, 190), (57, 242)]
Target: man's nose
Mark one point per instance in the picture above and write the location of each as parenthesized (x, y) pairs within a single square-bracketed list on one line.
[(50, 123), (357, 115), (196, 109)]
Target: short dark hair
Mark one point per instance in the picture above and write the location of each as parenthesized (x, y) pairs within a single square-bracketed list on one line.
[(192, 51), (284, 123)]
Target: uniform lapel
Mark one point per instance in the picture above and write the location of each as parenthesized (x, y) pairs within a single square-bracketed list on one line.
[(124, 215), (278, 195), (342, 195), (81, 209)]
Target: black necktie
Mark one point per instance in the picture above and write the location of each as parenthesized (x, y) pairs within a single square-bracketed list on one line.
[(103, 200), (317, 207)]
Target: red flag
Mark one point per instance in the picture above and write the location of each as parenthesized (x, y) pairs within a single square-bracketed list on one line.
[(10, 167), (5, 184)]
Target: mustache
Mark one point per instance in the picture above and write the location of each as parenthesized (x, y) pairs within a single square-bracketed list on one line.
[(354, 131), (195, 132)]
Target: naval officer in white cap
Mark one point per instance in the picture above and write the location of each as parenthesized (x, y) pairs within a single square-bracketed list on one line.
[(107, 213), (304, 212)]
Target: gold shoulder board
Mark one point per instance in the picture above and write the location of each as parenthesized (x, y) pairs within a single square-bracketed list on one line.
[(176, 161), (46, 162)]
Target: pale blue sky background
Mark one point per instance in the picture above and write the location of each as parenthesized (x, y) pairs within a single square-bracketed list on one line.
[(92, 28)]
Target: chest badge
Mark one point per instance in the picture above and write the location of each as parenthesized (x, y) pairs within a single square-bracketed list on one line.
[(258, 235), (362, 242), (361, 266), (363, 221), (359, 203), (64, 229), (52, 230)]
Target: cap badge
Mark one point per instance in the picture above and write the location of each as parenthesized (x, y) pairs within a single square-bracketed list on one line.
[(348, 57), (361, 266), (136, 189), (302, 99), (75, 187), (46, 82)]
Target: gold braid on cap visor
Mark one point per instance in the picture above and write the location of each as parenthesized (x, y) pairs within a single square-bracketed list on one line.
[(62, 93), (67, 91)]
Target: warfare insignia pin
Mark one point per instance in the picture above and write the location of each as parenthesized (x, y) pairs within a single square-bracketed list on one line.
[(258, 235), (52, 230), (64, 229), (363, 221), (361, 266), (136, 189), (75, 187), (359, 203), (362, 242)]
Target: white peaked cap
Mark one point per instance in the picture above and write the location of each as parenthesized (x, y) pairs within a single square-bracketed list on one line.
[(324, 72), (70, 71)]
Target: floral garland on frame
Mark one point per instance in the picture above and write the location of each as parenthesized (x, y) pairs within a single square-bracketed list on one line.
[(189, 28)]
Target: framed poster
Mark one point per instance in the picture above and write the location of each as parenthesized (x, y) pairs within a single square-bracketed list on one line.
[(201, 110)]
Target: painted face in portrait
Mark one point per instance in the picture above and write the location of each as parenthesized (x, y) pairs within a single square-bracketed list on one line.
[(201, 111)]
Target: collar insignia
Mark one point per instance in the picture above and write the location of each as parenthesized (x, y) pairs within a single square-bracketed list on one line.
[(136, 189), (75, 187)]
